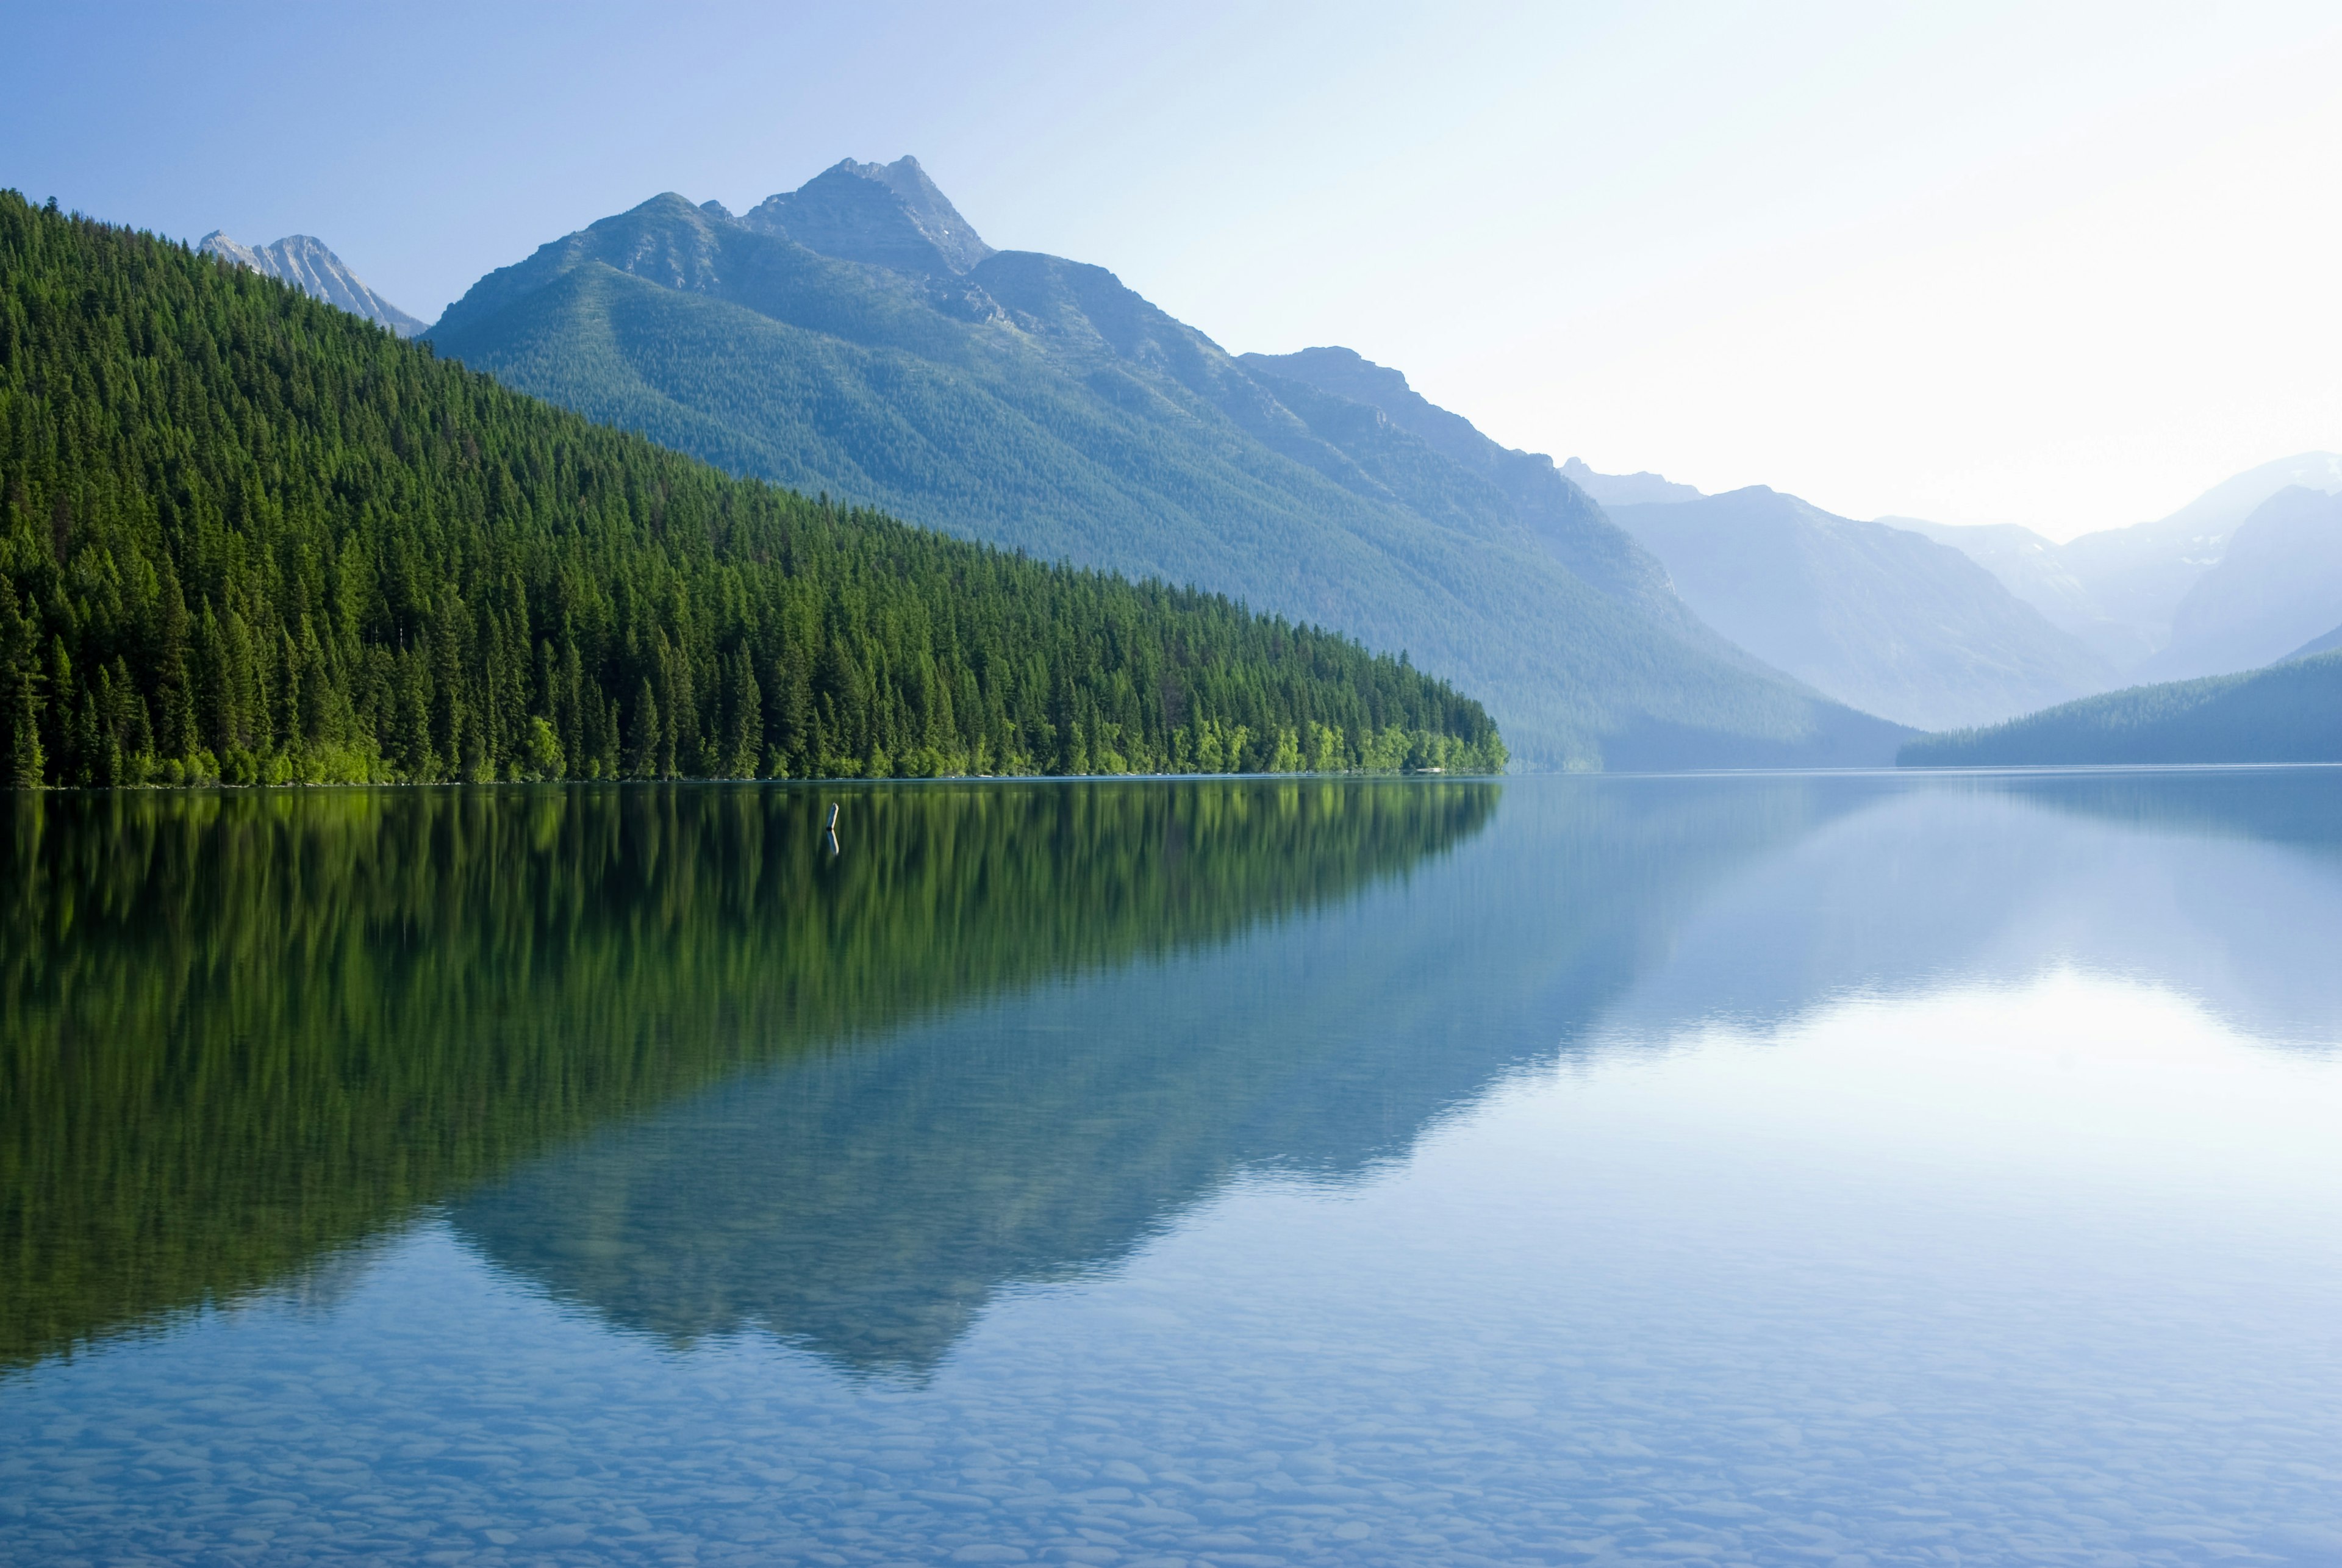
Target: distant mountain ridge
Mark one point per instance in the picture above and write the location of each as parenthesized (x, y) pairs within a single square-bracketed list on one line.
[(2277, 585), (1881, 618), (1036, 402), (2120, 590), (304, 262), (1627, 489)]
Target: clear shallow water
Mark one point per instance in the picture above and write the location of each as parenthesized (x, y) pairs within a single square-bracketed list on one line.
[(1734, 1170)]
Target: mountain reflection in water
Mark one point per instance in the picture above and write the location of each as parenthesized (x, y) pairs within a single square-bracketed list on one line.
[(1740, 1169), (671, 1059), (867, 1204), (242, 1031)]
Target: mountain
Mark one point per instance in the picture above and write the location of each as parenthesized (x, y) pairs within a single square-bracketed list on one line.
[(1627, 489), (2140, 574), (2034, 568), (857, 337), (304, 261), (1880, 618), (1562, 517), (2332, 639), (245, 535), (889, 214), (2119, 589), (2278, 583), (2288, 712)]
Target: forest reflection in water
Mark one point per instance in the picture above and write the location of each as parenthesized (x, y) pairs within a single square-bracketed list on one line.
[(1743, 1169), (242, 1030)]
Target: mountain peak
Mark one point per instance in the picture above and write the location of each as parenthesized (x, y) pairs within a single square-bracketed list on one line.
[(886, 215), (307, 263)]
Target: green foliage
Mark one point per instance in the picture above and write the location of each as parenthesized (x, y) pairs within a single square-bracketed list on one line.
[(2288, 713), (245, 537), (1039, 404), (238, 1028)]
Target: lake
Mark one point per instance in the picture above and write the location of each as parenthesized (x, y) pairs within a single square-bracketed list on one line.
[(1833, 1169)]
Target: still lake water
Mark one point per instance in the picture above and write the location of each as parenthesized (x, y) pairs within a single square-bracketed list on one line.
[(1854, 1169)]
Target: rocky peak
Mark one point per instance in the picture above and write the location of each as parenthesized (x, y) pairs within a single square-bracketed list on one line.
[(308, 264), (886, 215)]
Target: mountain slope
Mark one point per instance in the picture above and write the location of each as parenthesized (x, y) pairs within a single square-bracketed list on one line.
[(2034, 568), (245, 535), (2119, 589), (2319, 644), (1562, 516), (891, 214), (1038, 404), (1879, 618), (2288, 712), (303, 261), (2140, 574), (2278, 584)]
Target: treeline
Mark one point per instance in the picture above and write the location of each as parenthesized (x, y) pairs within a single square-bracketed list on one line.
[(249, 538), (2289, 711)]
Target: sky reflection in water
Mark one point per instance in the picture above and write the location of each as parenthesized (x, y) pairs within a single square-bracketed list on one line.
[(1738, 1170)]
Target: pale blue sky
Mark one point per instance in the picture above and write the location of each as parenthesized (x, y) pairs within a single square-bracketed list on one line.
[(2058, 265)]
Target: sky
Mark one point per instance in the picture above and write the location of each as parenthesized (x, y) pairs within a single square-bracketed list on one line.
[(2065, 266)]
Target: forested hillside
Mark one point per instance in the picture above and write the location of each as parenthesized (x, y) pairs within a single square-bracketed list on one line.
[(249, 536), (2288, 713), (1038, 404)]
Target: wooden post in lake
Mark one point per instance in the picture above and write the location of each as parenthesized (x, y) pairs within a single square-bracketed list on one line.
[(832, 827)]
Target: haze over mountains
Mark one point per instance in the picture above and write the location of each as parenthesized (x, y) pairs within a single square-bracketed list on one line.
[(857, 337), (304, 262), (2122, 590), (1881, 618)]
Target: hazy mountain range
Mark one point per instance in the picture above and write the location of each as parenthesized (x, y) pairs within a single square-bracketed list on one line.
[(303, 261), (2125, 591), (857, 337), (1880, 617)]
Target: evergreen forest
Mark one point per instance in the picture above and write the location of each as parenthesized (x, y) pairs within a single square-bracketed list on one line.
[(249, 538), (2290, 712)]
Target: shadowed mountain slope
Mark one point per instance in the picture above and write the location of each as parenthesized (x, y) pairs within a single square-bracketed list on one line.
[(1038, 404), (1880, 618)]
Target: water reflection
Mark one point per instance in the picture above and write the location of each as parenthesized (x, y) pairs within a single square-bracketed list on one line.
[(1739, 1170), (244, 1030), (867, 1205)]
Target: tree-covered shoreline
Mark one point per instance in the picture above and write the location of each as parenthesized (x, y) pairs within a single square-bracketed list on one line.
[(246, 538)]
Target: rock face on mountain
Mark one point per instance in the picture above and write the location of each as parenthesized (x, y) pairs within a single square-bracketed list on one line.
[(1882, 619), (889, 214), (304, 262), (2277, 583), (857, 337)]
